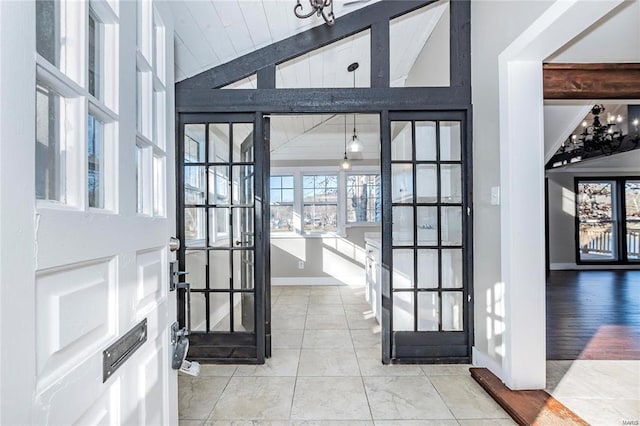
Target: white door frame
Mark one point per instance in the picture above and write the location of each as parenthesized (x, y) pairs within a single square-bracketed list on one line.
[(522, 184)]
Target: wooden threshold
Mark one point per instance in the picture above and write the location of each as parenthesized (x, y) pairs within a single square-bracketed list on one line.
[(529, 407)]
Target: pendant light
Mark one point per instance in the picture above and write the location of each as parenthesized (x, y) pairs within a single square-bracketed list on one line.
[(355, 145), (345, 164)]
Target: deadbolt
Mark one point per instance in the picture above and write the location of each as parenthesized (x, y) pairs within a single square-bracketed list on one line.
[(174, 244)]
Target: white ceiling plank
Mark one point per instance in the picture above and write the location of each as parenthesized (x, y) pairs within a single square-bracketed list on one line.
[(279, 26), (235, 25), (184, 59), (256, 20), (190, 37), (211, 29)]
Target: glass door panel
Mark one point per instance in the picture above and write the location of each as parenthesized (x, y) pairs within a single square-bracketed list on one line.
[(632, 212), (429, 303)]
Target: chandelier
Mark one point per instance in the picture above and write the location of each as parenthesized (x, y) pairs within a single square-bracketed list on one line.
[(317, 7), (596, 139)]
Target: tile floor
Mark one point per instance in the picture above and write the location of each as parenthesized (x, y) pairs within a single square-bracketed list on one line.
[(326, 370)]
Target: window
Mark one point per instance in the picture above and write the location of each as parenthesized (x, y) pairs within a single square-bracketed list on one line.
[(281, 190), (608, 220), (363, 199), (48, 30), (95, 57), (320, 203), (95, 166), (50, 172)]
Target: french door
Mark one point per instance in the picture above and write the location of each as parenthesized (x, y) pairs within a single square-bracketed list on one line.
[(426, 243), (219, 217)]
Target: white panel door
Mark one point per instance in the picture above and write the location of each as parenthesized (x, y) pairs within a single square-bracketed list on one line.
[(79, 272)]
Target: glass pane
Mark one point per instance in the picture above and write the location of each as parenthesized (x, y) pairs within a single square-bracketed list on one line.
[(597, 242), (50, 182), (95, 51), (427, 268), (401, 141), (220, 312), (403, 311), (194, 185), (196, 266), (427, 183), (452, 268), (48, 30), (452, 311), (426, 141), (158, 186), (451, 183), (281, 218), (198, 312), (321, 188), (243, 141), (402, 228), (287, 195), (632, 199), (363, 198), (243, 232), (633, 240), (242, 184), (595, 201), (95, 167), (427, 224), (450, 142), (428, 318), (195, 227), (194, 143), (402, 268), (451, 223), (419, 51), (320, 218), (295, 73), (243, 312), (139, 182), (219, 227), (218, 143), (401, 183), (219, 269), (219, 185), (243, 267)]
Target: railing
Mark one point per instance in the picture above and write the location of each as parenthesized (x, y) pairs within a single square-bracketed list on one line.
[(601, 241)]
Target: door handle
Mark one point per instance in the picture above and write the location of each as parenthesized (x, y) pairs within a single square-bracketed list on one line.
[(238, 243), (174, 244)]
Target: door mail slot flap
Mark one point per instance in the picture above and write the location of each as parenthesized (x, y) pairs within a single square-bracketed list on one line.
[(120, 351)]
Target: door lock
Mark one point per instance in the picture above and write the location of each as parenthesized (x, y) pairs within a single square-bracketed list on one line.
[(174, 276)]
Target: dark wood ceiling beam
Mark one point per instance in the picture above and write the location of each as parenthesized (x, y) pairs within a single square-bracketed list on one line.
[(591, 81)]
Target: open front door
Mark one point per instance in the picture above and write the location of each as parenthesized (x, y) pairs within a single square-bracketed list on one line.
[(426, 247), (220, 222)]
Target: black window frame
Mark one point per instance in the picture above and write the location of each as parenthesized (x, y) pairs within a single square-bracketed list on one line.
[(619, 221)]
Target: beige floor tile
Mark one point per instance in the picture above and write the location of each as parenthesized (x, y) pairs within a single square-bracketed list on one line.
[(285, 299), (198, 395), (405, 398), (466, 399), (416, 423), (295, 291), (327, 339), (327, 290), (446, 369), (255, 398), (286, 339), (288, 322), (330, 398), (247, 423), (359, 322), (327, 322), (211, 370), (182, 422), (488, 422), (283, 363), (353, 299), (284, 309), (370, 363), (328, 362), (331, 423), (325, 299), (361, 309), (326, 309), (365, 339)]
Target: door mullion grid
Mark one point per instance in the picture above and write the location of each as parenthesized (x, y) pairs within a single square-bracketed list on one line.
[(230, 252), (439, 222), (415, 222), (207, 302)]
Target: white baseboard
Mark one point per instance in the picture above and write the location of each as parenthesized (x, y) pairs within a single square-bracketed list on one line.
[(576, 267), (483, 360), (308, 281)]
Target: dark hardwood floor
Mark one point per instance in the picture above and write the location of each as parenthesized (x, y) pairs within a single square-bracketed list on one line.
[(593, 315)]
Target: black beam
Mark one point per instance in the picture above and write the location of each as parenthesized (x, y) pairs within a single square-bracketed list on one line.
[(299, 44), (380, 69), (267, 77), (460, 44), (323, 100)]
